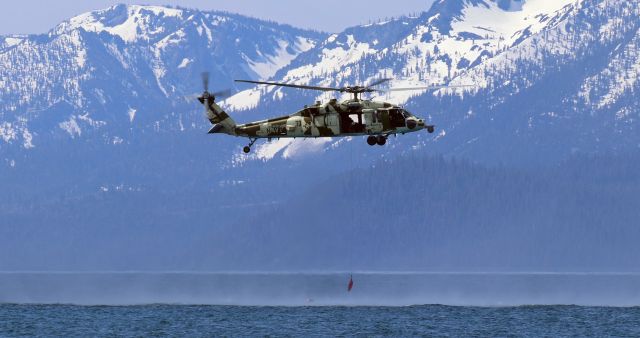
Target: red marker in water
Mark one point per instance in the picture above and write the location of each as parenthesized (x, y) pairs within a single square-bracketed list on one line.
[(350, 284)]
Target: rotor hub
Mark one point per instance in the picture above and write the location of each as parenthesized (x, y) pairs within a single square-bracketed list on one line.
[(356, 90)]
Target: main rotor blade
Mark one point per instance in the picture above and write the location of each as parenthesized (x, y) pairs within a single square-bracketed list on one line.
[(421, 88), (378, 82), (324, 89)]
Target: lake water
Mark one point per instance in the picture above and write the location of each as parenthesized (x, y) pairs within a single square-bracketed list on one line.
[(428, 320), (250, 304)]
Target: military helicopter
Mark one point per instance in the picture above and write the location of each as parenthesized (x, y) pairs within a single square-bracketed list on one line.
[(353, 117)]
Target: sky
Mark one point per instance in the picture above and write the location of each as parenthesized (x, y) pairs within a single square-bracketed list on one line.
[(38, 16)]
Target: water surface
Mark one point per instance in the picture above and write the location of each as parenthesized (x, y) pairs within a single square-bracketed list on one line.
[(430, 320)]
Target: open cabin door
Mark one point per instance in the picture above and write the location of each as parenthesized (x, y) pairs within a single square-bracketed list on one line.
[(372, 120)]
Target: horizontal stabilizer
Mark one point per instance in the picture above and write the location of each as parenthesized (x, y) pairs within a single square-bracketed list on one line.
[(216, 129)]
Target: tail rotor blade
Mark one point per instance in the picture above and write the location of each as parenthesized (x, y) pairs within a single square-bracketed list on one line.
[(218, 94), (205, 81), (191, 97)]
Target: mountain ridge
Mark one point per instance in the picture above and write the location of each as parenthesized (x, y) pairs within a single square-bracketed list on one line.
[(480, 42), (132, 59)]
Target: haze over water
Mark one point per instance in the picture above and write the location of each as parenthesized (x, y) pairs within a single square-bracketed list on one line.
[(325, 289)]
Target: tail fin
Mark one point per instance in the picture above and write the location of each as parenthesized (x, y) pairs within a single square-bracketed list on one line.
[(222, 122)]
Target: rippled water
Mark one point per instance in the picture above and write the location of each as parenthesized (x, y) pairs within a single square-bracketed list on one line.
[(433, 320)]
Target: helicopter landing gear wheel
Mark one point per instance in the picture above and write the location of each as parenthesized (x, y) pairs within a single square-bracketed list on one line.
[(381, 140), (247, 149), (372, 140)]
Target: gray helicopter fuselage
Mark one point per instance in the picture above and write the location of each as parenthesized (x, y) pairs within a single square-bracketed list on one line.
[(334, 119)]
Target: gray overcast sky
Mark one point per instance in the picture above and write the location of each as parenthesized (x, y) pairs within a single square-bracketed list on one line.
[(38, 16)]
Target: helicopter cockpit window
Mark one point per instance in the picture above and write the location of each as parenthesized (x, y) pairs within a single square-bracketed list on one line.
[(406, 114)]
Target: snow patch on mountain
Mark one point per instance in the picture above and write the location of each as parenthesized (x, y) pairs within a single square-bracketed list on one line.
[(622, 74), (132, 114), (305, 147), (28, 139), (244, 100), (10, 41), (506, 27), (262, 152), (285, 148), (184, 63), (7, 132), (12, 132), (131, 23), (71, 127), (267, 65), (269, 150)]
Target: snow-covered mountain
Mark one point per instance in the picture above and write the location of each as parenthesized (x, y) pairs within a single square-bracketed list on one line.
[(128, 68), (556, 75), (107, 88), (441, 44), (104, 164), (550, 76)]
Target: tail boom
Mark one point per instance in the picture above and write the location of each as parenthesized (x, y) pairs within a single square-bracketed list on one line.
[(222, 122)]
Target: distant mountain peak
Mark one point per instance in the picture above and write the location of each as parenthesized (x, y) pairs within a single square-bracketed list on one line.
[(509, 16), (129, 22), (446, 41)]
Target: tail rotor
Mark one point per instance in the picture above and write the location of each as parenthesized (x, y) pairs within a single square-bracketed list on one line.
[(206, 95), (220, 120)]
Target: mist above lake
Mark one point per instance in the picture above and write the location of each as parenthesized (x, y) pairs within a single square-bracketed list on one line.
[(321, 289)]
